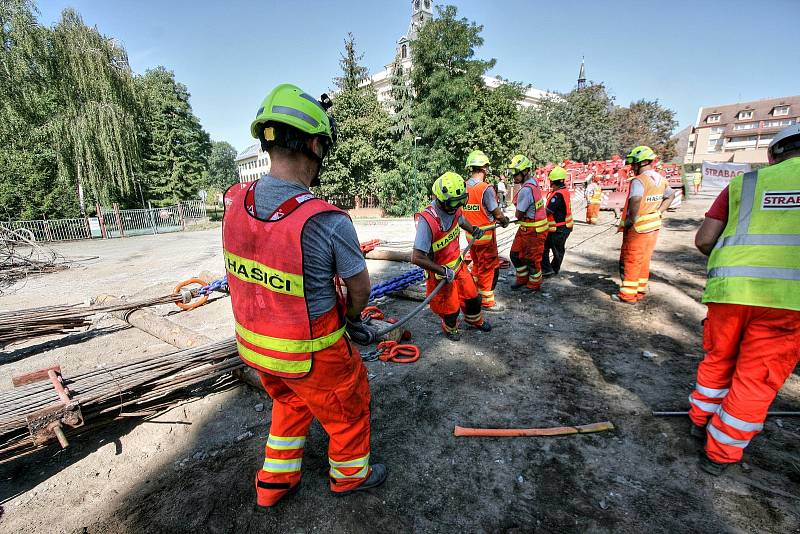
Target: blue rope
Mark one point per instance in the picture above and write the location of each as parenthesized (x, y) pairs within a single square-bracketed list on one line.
[(397, 283), (217, 285)]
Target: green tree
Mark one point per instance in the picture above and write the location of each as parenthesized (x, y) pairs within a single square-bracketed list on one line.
[(586, 121), (29, 184), (175, 146), (221, 172), (496, 129), (363, 151), (541, 136), (646, 122), (447, 80), (94, 133)]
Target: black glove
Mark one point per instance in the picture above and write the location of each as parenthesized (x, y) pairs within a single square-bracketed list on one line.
[(449, 275), (504, 222), (359, 332), (477, 232)]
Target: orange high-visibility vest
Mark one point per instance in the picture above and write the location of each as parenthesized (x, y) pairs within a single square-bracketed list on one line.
[(568, 222), (444, 242), (540, 221), (648, 218), (264, 264), (475, 212)]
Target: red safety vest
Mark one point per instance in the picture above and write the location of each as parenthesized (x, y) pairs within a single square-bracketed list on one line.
[(539, 221), (475, 212), (264, 263), (568, 222), (445, 243)]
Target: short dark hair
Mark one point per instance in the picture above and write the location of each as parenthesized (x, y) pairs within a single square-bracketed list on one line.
[(284, 137)]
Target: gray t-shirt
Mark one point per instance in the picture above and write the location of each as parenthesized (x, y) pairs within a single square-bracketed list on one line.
[(489, 197), (330, 244), (424, 238), (637, 187), (525, 202)]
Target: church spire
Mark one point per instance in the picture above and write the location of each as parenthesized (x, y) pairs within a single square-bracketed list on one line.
[(582, 75)]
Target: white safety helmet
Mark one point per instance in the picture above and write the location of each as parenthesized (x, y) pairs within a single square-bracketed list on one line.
[(785, 140)]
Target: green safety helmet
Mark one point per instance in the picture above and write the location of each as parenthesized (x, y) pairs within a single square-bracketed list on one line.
[(288, 104), (477, 158), (450, 189), (519, 163), (559, 174), (640, 154)]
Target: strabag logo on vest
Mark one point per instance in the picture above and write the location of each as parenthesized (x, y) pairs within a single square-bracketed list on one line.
[(781, 200), (258, 273)]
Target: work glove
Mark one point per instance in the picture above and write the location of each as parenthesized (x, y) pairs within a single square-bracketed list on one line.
[(504, 222), (477, 232), (449, 275), (359, 332)]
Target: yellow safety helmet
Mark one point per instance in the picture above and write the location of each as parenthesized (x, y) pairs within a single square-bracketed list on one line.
[(559, 174), (450, 189), (519, 163), (639, 154), (478, 159)]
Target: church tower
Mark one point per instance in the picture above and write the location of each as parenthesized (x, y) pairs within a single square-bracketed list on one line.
[(582, 76), (421, 12)]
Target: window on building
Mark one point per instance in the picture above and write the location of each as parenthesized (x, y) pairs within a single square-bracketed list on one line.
[(717, 129), (778, 123), (777, 111), (713, 118), (404, 51), (745, 114), (746, 126)]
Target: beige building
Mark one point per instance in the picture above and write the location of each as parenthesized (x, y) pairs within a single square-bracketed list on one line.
[(421, 12), (252, 163), (740, 133)]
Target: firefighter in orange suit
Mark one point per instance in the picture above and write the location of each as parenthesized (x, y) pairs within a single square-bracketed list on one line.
[(594, 197), (283, 247), (528, 245), (482, 210), (648, 198), (752, 333), (437, 250)]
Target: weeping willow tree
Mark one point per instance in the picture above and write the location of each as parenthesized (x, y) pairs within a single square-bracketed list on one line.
[(94, 135)]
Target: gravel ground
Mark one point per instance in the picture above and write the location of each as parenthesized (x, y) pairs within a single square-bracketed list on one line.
[(568, 355)]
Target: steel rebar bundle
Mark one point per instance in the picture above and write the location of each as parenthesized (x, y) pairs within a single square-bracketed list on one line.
[(140, 388), (20, 325)]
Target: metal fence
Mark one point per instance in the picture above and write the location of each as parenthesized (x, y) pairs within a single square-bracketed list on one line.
[(113, 222), (52, 230)]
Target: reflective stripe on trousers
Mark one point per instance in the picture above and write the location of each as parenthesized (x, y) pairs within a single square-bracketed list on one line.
[(361, 466)]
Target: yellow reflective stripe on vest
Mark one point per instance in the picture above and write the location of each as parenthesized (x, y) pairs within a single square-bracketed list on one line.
[(535, 224), (274, 364), (647, 222), (258, 273), (454, 265), (291, 346), (443, 242)]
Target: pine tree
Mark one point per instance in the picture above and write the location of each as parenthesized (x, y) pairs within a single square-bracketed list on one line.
[(175, 146)]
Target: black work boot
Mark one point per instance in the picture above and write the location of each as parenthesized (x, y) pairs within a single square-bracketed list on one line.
[(453, 335), (483, 327), (698, 432), (711, 467), (377, 476)]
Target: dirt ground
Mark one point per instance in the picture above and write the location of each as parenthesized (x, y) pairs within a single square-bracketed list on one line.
[(567, 356)]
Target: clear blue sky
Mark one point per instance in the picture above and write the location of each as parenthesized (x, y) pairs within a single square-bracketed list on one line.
[(685, 53)]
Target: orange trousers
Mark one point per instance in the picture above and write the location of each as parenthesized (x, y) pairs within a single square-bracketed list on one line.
[(459, 295), (634, 263), (336, 392), (526, 255), (485, 263), (592, 213), (750, 351)]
